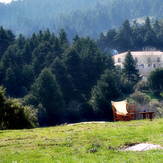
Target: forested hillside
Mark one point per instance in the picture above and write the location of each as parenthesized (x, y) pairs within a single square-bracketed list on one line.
[(75, 80), (84, 17), (133, 37), (61, 72), (45, 71)]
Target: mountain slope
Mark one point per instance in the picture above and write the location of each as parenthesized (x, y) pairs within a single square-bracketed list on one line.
[(75, 16)]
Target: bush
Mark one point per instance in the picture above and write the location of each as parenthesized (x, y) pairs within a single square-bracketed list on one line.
[(13, 115), (125, 86), (140, 97), (142, 86), (156, 107), (74, 111)]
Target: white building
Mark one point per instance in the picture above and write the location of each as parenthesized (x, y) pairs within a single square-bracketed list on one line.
[(146, 61)]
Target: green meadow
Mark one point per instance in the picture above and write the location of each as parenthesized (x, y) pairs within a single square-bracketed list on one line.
[(83, 143)]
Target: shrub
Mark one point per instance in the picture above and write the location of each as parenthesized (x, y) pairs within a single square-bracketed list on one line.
[(74, 111), (142, 86), (156, 107), (140, 97), (13, 115), (125, 86)]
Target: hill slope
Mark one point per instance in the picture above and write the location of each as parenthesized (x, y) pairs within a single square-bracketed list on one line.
[(89, 143), (75, 16)]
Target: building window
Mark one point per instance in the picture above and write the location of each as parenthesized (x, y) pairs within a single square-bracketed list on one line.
[(136, 60), (154, 65), (141, 66), (158, 59), (119, 60)]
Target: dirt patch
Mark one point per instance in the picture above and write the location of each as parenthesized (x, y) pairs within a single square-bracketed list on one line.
[(86, 123)]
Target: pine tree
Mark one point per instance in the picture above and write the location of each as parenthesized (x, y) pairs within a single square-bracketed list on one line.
[(63, 42), (123, 39), (60, 70), (47, 91), (103, 93), (129, 68), (74, 68)]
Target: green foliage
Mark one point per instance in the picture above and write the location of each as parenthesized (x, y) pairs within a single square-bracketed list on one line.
[(75, 16), (13, 115), (155, 80), (74, 112), (103, 93), (124, 36), (7, 38), (125, 85), (59, 69), (77, 67), (142, 86), (47, 91), (129, 69), (140, 97)]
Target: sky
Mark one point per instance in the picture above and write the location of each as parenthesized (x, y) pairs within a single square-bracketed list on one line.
[(6, 1)]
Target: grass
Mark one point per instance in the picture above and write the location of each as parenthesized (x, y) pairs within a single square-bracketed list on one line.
[(83, 143)]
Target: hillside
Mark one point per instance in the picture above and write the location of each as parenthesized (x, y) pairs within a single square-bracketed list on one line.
[(75, 16), (89, 143)]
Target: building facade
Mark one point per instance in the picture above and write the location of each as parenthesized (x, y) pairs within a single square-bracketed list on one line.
[(146, 61)]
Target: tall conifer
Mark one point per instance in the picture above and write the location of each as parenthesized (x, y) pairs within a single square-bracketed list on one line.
[(129, 68)]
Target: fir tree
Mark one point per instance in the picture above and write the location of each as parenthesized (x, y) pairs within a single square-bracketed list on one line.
[(129, 68), (103, 93), (47, 92)]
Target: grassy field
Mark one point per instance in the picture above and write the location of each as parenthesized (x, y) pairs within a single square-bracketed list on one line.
[(83, 143)]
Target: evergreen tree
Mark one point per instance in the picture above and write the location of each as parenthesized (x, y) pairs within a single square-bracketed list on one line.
[(6, 39), (63, 78), (20, 41), (123, 39), (76, 38), (101, 42), (26, 54), (13, 81), (155, 80), (63, 39), (147, 25), (46, 35), (28, 76), (74, 68), (103, 93), (10, 36), (110, 37), (47, 92), (129, 68)]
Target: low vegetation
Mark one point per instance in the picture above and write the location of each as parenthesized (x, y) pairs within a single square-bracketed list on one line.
[(89, 143)]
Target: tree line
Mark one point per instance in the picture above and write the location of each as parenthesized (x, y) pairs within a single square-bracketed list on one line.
[(65, 82), (62, 81), (133, 37)]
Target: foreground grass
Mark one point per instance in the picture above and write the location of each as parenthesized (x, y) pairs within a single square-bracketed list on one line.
[(88, 143)]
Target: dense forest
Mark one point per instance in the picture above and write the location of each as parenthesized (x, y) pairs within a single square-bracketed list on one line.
[(72, 81), (68, 74), (133, 37), (58, 78), (80, 17)]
